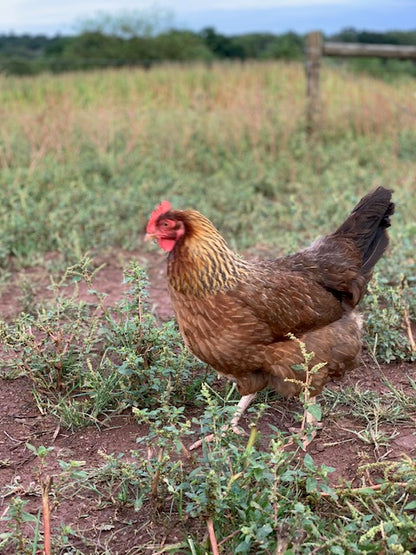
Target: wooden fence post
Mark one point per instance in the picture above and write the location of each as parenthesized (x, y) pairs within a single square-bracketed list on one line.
[(316, 48), (314, 45)]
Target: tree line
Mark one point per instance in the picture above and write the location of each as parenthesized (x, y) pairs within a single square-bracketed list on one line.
[(102, 46)]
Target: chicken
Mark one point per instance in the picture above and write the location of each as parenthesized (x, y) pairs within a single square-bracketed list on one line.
[(235, 315)]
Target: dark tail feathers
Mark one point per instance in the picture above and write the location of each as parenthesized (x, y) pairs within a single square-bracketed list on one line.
[(367, 224)]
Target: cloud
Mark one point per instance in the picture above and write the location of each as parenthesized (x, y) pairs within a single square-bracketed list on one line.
[(18, 12), (227, 16)]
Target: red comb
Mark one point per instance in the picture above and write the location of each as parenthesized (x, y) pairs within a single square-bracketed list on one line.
[(163, 207)]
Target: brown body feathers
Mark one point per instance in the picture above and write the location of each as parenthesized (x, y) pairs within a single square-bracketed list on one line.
[(236, 315)]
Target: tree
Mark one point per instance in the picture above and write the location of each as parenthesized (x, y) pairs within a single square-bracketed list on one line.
[(220, 45), (129, 24), (182, 45)]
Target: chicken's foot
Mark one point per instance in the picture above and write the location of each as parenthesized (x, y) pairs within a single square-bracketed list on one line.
[(242, 406)]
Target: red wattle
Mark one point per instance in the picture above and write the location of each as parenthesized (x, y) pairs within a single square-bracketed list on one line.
[(166, 244)]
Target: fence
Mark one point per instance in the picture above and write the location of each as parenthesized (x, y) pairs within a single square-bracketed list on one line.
[(316, 48)]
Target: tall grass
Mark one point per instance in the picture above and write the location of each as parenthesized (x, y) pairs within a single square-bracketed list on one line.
[(85, 156), (262, 103), (120, 111)]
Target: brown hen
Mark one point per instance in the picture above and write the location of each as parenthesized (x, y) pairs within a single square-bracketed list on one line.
[(236, 315)]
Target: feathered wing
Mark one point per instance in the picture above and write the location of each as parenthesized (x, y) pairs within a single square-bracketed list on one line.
[(314, 287), (287, 301)]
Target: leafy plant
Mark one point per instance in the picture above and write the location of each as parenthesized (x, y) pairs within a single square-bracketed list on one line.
[(149, 357), (17, 519), (57, 346), (86, 360), (389, 311), (29, 533)]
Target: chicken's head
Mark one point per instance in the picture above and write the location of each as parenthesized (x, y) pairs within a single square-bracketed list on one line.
[(165, 227)]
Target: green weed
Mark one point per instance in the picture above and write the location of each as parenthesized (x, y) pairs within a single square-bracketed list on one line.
[(149, 358), (86, 361), (29, 533), (390, 309)]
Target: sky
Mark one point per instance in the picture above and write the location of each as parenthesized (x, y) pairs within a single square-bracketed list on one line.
[(229, 17)]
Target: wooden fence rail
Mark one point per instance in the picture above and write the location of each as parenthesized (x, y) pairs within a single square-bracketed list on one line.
[(316, 48), (376, 50)]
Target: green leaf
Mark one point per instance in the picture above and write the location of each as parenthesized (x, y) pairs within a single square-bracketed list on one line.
[(309, 463), (298, 367), (311, 485), (315, 411)]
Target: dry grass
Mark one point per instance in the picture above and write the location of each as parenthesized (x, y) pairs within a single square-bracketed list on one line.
[(365, 105), (226, 104)]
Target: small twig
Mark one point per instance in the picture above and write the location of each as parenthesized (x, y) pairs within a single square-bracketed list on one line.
[(46, 486), (409, 330), (185, 450), (19, 441), (229, 537), (212, 538), (24, 416), (374, 487), (155, 480), (56, 432)]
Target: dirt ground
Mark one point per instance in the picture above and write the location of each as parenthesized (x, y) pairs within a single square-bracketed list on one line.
[(123, 530)]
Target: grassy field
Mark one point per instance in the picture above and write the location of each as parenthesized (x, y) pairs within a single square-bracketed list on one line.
[(87, 150), (84, 158)]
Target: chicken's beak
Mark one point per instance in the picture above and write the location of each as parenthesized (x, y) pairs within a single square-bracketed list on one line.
[(149, 237)]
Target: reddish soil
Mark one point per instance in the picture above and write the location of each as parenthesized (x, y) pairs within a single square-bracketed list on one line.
[(122, 530)]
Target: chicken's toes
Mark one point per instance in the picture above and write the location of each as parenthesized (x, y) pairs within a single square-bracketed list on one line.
[(197, 444)]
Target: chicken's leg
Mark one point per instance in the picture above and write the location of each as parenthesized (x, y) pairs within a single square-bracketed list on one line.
[(242, 406)]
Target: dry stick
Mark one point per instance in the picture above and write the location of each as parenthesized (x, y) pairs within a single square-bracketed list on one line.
[(229, 537), (46, 486), (212, 538), (374, 487), (409, 330), (185, 450), (155, 481)]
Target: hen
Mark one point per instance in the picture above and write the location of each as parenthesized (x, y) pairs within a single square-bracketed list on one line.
[(236, 315)]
